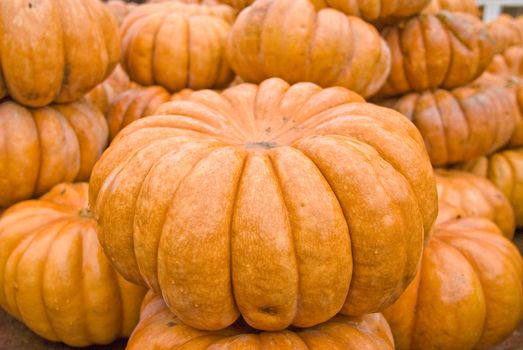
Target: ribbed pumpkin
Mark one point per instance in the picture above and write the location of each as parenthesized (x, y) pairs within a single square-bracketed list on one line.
[(55, 50), (45, 146), (119, 9), (506, 32), (461, 124), (468, 292), (466, 6), (477, 197), (505, 170), (509, 63), (269, 201), (237, 4), (104, 94), (289, 39), (160, 329), (446, 50), (177, 45), (54, 275)]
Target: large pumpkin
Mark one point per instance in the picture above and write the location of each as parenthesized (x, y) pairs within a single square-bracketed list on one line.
[(505, 170), (54, 275), (506, 32), (177, 45), (468, 293), (461, 124), (104, 94), (269, 201), (466, 6), (291, 40), (160, 329), (446, 50), (475, 196), (45, 146), (509, 63), (55, 50)]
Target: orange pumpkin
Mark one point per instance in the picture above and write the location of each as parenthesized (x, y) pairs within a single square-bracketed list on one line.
[(54, 275), (466, 6), (55, 50), (104, 94), (445, 50), (46, 146), (119, 9), (468, 293), (160, 329), (267, 201), (177, 45), (477, 197), (508, 64), (289, 39), (505, 170), (461, 124), (506, 32)]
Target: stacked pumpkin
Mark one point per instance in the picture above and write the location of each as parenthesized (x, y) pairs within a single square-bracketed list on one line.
[(250, 187)]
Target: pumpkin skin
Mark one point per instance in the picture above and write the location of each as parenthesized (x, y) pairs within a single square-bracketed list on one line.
[(466, 6), (46, 146), (506, 32), (505, 170), (248, 165), (104, 94), (119, 9), (177, 45), (475, 196), (446, 50), (289, 39), (55, 51), (508, 64), (467, 294), (461, 124), (160, 329), (54, 275)]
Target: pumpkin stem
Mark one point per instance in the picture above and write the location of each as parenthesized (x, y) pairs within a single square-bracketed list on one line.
[(84, 213)]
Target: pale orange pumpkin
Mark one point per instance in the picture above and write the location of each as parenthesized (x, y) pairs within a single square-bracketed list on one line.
[(291, 40), (45, 146), (468, 293), (446, 50), (160, 329), (177, 45), (104, 94), (284, 204), (54, 275), (509, 63), (120, 8), (55, 50), (466, 6), (506, 32)]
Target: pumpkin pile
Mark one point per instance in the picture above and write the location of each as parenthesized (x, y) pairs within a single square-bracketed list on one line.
[(261, 174)]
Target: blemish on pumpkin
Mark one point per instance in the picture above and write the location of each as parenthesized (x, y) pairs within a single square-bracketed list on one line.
[(63, 192), (268, 310), (268, 130), (262, 144), (171, 324)]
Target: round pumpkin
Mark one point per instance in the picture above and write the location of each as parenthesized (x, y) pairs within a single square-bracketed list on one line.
[(446, 50), (468, 293), (461, 124), (506, 32), (505, 170), (509, 63), (177, 45), (466, 6), (160, 329), (55, 50), (45, 146), (291, 40), (104, 94), (54, 275), (267, 201), (475, 196)]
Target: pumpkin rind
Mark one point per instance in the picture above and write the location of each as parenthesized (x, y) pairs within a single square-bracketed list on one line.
[(54, 275), (188, 198), (468, 293), (104, 94), (45, 146), (291, 40), (465, 6), (160, 329), (55, 51)]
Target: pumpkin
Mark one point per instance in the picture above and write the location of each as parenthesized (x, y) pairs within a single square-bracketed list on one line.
[(467, 294), (45, 146), (177, 46), (506, 32), (508, 64), (475, 196), (505, 170), (461, 124), (267, 201), (55, 50), (104, 94), (289, 39), (160, 329), (119, 9), (54, 275), (466, 6), (446, 50)]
